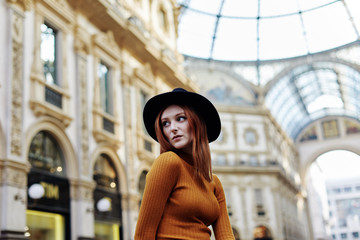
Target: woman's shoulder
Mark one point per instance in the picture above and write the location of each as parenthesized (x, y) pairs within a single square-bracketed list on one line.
[(169, 155), (168, 158), (216, 180)]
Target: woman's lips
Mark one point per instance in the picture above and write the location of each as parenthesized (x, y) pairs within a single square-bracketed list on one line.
[(176, 137)]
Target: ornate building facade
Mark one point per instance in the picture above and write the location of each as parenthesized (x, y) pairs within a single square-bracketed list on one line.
[(75, 75)]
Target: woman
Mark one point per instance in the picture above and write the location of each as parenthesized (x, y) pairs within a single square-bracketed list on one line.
[(182, 197)]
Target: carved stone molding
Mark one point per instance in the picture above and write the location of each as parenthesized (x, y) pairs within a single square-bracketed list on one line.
[(84, 129), (17, 83), (82, 190), (145, 74), (107, 43), (13, 173), (131, 201), (82, 41), (24, 5)]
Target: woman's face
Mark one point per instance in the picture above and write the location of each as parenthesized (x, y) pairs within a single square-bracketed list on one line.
[(176, 128)]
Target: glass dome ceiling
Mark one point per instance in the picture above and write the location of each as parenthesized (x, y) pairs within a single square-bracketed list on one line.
[(249, 30)]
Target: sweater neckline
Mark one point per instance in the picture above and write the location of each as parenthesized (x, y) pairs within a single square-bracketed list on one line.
[(187, 158)]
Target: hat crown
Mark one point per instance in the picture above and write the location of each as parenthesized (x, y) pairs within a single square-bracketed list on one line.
[(179, 90)]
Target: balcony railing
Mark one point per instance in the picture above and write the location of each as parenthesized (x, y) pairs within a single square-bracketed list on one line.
[(53, 97)]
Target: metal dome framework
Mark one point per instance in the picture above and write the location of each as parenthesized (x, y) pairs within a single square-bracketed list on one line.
[(256, 32), (233, 30)]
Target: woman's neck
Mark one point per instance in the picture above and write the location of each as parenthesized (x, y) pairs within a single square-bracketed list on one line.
[(187, 157)]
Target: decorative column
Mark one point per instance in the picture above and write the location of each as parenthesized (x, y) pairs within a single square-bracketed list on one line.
[(13, 199), (82, 202), (13, 166), (130, 202), (245, 233), (82, 209)]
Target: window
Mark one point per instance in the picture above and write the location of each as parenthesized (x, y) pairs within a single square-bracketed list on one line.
[(107, 200), (258, 197), (253, 160), (45, 225), (163, 19), (343, 235), (105, 86), (347, 189), (221, 160), (250, 136), (45, 154), (355, 234), (259, 202), (141, 185), (337, 190), (48, 52), (104, 174)]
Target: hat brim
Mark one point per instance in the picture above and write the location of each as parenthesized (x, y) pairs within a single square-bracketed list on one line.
[(200, 104)]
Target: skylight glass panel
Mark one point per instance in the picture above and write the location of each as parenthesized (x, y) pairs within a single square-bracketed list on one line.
[(288, 28), (235, 39), (291, 108), (196, 40), (206, 6), (310, 4), (243, 9), (325, 101), (328, 27), (354, 6), (304, 80), (281, 37), (278, 7)]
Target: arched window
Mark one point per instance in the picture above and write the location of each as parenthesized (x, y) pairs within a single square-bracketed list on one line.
[(45, 154), (236, 234), (107, 200), (104, 174), (48, 199), (262, 233), (141, 185), (163, 21)]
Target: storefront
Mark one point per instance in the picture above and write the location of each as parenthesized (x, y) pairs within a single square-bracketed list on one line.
[(107, 200), (48, 206)]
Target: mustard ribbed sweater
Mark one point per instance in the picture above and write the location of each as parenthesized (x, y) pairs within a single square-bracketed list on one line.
[(177, 205)]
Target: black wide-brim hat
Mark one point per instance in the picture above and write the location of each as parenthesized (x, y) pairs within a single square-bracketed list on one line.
[(180, 96)]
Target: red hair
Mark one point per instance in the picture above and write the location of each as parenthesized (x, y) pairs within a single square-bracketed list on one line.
[(200, 145)]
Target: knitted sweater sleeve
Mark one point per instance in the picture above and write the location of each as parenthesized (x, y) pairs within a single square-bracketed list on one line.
[(160, 181), (222, 227)]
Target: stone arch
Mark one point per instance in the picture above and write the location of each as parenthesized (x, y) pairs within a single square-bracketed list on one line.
[(119, 168), (56, 129), (309, 155)]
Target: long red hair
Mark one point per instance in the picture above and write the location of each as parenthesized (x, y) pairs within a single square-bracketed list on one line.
[(200, 145)]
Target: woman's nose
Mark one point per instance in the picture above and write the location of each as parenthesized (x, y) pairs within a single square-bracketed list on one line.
[(174, 127)]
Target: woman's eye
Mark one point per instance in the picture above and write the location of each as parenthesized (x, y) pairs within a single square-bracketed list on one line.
[(181, 118), (165, 123)]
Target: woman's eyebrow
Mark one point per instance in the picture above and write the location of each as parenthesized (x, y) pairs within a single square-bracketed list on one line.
[(178, 114)]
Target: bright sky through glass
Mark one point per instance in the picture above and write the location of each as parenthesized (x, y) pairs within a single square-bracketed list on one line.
[(249, 30), (339, 164)]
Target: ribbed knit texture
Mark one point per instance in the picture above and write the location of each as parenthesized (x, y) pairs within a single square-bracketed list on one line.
[(178, 205)]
